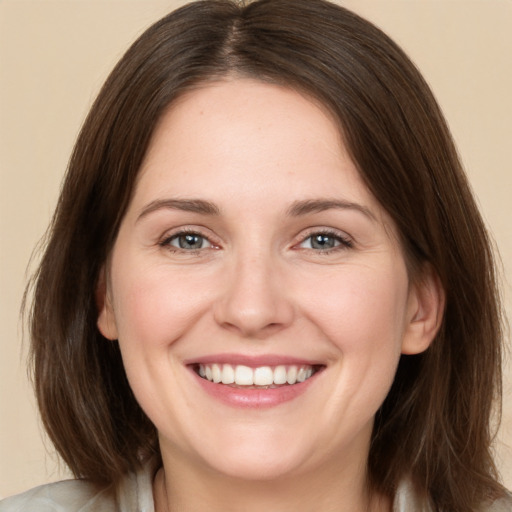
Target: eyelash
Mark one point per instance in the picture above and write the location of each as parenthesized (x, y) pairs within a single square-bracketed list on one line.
[(167, 241), (343, 242)]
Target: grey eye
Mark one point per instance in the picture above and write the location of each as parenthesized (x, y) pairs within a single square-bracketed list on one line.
[(321, 241), (189, 241)]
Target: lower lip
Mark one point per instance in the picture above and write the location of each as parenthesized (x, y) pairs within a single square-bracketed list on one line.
[(254, 398)]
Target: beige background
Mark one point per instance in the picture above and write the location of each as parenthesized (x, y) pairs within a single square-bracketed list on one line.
[(54, 56)]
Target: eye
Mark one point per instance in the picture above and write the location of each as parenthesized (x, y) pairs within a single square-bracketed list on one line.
[(187, 241), (325, 241)]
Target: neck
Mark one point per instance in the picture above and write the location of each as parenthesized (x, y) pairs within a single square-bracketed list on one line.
[(176, 489)]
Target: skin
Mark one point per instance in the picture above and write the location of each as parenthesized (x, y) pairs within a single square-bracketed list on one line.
[(257, 286)]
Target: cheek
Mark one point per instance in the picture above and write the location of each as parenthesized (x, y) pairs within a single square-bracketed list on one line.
[(153, 310), (154, 307), (361, 313), (360, 310)]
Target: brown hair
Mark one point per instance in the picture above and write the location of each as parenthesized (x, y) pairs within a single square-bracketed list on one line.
[(434, 426)]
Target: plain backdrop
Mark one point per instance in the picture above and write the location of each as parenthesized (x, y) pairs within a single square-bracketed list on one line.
[(54, 56)]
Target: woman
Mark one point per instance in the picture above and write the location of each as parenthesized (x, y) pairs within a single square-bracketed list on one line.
[(266, 281)]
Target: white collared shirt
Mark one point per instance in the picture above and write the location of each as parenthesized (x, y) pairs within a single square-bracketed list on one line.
[(135, 494)]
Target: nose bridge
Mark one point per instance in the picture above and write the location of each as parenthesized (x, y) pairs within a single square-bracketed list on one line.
[(253, 303)]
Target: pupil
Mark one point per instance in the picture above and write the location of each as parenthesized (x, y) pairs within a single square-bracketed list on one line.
[(322, 242), (190, 241)]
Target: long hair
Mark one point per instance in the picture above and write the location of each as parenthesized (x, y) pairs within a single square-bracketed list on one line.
[(434, 426)]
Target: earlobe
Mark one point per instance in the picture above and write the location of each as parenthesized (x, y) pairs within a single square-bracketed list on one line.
[(106, 320), (426, 310)]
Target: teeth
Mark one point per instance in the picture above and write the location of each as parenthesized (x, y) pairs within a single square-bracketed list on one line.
[(291, 376), (216, 373), (241, 375), (263, 376), (228, 374), (280, 375), (244, 376), (301, 376)]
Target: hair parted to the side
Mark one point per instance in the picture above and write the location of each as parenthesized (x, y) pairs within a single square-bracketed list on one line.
[(434, 426)]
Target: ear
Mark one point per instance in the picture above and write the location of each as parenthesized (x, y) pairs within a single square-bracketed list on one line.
[(425, 312), (106, 320)]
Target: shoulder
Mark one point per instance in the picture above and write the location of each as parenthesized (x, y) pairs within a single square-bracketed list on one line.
[(133, 494), (66, 496), (407, 499), (502, 505)]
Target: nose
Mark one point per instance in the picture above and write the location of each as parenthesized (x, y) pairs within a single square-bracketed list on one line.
[(253, 302)]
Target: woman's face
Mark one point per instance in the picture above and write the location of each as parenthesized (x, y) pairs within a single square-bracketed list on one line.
[(252, 252)]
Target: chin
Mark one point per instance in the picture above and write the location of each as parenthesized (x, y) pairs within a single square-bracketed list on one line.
[(257, 458), (258, 467)]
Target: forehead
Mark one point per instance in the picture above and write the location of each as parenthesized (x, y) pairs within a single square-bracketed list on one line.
[(253, 151), (243, 127)]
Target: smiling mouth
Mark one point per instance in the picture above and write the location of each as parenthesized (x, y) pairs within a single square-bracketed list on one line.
[(261, 377)]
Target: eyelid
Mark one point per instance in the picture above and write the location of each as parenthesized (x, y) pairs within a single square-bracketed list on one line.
[(346, 241), (164, 240), (177, 238)]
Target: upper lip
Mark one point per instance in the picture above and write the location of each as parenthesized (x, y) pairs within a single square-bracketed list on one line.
[(253, 361)]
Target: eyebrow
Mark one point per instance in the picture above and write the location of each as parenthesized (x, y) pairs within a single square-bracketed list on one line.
[(185, 205), (299, 208)]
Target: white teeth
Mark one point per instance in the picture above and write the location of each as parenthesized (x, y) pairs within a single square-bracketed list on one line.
[(216, 373), (228, 374), (263, 376), (244, 376), (241, 375), (280, 375), (291, 376)]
